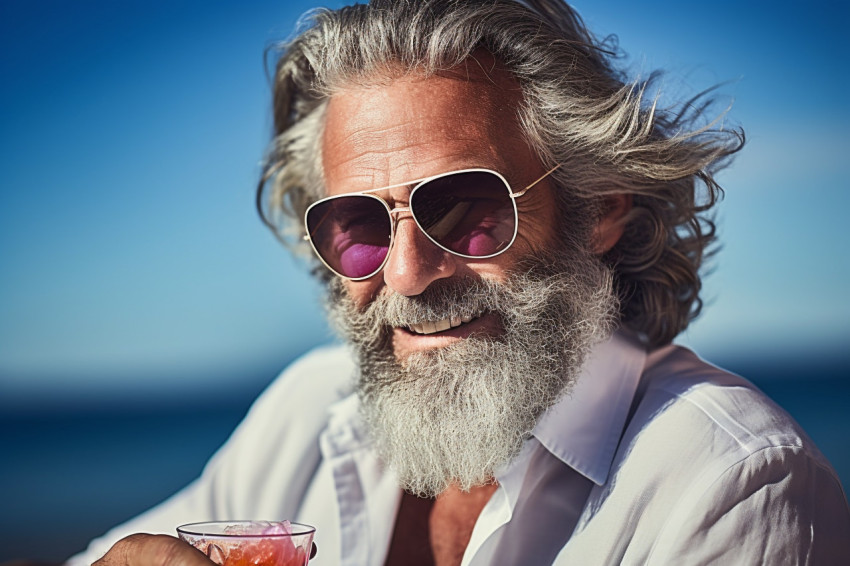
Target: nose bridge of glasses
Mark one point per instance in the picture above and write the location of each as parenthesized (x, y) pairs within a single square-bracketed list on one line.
[(395, 217), (396, 199), (399, 210)]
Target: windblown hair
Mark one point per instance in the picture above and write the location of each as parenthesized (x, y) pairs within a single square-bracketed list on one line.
[(578, 110)]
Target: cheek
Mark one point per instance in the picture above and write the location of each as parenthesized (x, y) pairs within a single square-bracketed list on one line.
[(362, 292), (535, 233)]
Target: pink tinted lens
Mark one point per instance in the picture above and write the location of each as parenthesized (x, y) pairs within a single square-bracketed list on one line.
[(469, 213), (351, 234)]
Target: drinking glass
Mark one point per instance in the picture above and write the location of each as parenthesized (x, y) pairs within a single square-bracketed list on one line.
[(251, 543)]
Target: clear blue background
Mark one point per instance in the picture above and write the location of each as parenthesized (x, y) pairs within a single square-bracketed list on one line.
[(136, 277)]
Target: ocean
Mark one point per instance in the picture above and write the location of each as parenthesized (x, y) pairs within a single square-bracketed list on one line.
[(67, 477)]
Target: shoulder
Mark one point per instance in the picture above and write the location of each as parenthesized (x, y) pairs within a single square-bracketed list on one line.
[(320, 377), (707, 456), (302, 394), (687, 400), (692, 421), (706, 419)]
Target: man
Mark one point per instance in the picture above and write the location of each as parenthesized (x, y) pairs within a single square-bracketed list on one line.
[(511, 238)]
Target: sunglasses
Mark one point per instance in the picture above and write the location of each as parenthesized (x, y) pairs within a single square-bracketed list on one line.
[(470, 213)]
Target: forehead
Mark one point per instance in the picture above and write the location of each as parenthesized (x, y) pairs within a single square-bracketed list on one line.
[(415, 126)]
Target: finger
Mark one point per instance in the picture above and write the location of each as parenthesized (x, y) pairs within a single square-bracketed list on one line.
[(152, 550)]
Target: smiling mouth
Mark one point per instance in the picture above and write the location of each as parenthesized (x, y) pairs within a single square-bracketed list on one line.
[(432, 327)]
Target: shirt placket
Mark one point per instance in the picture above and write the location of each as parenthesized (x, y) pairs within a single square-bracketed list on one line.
[(336, 444), (367, 497)]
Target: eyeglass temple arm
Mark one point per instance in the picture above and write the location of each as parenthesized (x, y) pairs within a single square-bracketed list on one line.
[(525, 190)]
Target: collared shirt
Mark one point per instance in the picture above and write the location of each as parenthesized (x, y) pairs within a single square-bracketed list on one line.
[(651, 459)]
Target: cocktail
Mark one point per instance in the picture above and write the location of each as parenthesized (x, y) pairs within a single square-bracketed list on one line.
[(251, 543)]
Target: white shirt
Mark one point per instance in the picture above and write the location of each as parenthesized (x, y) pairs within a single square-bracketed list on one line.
[(652, 459)]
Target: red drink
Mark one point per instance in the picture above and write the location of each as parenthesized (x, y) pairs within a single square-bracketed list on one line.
[(251, 543)]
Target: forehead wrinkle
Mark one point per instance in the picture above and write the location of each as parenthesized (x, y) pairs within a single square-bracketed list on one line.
[(426, 128), (365, 109), (372, 169), (365, 155), (386, 148)]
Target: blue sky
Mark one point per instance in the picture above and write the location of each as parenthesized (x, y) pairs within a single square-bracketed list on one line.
[(130, 140)]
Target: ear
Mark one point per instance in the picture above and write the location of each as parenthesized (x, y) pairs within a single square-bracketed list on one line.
[(612, 222)]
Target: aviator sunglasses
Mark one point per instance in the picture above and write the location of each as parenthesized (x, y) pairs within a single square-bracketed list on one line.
[(470, 213)]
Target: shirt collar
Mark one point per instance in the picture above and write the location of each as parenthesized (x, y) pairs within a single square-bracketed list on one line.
[(584, 428)]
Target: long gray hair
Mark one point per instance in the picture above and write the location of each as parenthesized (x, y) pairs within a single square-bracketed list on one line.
[(578, 110)]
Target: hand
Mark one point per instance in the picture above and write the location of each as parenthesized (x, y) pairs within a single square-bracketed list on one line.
[(152, 550)]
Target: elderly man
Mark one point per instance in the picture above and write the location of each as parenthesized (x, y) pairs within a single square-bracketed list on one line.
[(511, 238)]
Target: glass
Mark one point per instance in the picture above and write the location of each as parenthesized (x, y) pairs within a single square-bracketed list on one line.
[(251, 543), (470, 213)]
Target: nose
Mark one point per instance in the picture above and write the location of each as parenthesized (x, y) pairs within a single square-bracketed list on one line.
[(415, 261)]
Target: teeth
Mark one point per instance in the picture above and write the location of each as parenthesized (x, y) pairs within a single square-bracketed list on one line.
[(432, 327)]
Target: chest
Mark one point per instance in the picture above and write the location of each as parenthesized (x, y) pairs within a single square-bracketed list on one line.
[(436, 532), (362, 518)]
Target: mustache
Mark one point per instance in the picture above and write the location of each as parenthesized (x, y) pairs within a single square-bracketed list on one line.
[(463, 296), (444, 298), (532, 274)]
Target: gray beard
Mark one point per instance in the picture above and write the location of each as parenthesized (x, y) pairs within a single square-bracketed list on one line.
[(455, 415)]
